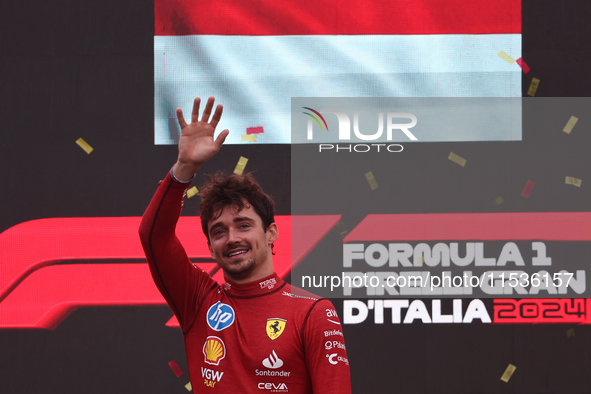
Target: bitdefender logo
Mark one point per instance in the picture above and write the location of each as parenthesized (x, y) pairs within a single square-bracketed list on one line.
[(344, 131)]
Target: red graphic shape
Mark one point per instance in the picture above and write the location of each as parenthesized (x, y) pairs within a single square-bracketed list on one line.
[(529, 186), (523, 65), (32, 245), (254, 130), (175, 368), (302, 17), (173, 322), (551, 226), (50, 294), (39, 290)]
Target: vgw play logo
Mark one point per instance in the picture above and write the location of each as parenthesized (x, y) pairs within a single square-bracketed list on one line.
[(345, 131)]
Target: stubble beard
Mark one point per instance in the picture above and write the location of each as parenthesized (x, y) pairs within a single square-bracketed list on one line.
[(241, 270)]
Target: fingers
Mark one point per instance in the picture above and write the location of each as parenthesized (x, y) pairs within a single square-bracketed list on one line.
[(195, 113), (206, 113), (207, 110), (217, 115), (221, 138), (180, 118)]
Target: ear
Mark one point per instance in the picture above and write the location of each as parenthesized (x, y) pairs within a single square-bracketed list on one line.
[(210, 251), (272, 234)]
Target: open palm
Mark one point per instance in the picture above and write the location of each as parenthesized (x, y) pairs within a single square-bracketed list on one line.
[(196, 144)]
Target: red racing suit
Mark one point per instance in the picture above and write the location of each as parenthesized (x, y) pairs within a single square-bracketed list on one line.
[(260, 337)]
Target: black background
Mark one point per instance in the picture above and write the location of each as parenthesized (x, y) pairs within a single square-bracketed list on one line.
[(73, 69)]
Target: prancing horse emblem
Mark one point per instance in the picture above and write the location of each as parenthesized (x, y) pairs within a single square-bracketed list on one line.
[(275, 327)]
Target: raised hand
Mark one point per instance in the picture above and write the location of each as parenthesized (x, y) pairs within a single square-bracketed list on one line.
[(196, 144)]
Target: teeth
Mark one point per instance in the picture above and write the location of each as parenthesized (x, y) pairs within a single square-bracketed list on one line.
[(237, 253)]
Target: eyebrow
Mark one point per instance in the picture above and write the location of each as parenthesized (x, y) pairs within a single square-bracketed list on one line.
[(236, 220)]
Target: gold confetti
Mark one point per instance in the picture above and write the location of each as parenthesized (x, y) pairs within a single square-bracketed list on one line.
[(342, 229), (241, 165), (508, 372), (189, 387), (498, 201), (573, 181), (84, 145), (506, 57), (570, 332), (192, 191), (249, 137), (569, 126), (421, 261), (533, 87), (372, 181), (457, 159)]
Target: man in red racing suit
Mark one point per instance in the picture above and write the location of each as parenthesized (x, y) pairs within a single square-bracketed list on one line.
[(255, 333)]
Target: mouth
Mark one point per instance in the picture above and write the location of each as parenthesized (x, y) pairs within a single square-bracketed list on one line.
[(236, 252)]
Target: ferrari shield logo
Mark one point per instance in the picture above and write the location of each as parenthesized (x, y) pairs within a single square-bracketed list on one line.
[(275, 327)]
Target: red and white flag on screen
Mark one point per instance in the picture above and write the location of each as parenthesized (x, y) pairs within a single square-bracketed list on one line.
[(255, 56)]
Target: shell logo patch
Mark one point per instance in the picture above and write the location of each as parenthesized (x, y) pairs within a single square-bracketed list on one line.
[(275, 327), (214, 350)]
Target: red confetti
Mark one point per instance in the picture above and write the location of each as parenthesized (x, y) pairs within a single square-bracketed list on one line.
[(175, 368), (529, 186), (523, 65), (255, 130)]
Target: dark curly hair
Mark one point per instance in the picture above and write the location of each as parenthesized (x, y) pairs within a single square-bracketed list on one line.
[(220, 191)]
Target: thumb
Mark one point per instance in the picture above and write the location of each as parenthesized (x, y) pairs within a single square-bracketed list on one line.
[(221, 138)]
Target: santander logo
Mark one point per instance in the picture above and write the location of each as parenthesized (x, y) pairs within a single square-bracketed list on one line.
[(273, 361)]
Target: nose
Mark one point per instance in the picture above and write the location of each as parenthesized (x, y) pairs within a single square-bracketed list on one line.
[(233, 236)]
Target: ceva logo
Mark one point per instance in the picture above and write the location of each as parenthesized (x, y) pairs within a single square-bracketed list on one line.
[(345, 125), (274, 387)]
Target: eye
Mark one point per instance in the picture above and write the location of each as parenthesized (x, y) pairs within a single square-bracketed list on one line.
[(244, 226), (218, 232)]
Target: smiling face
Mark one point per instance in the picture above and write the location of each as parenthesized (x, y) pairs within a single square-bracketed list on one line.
[(240, 245)]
